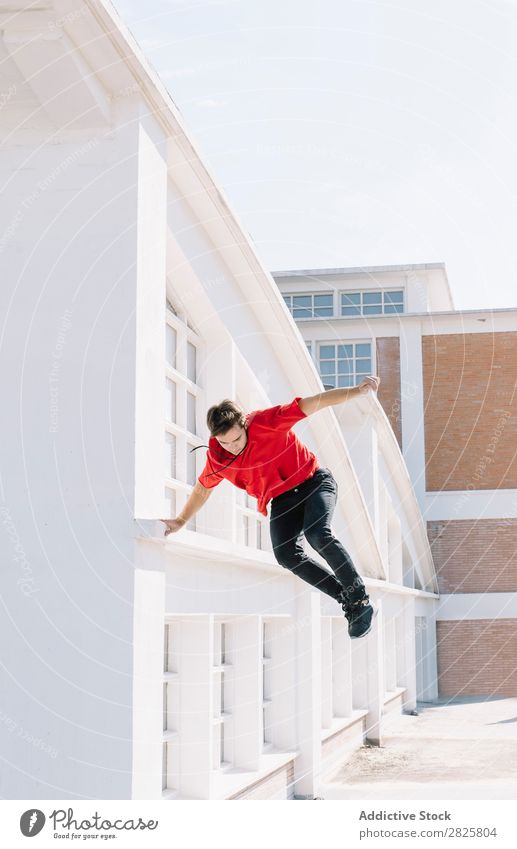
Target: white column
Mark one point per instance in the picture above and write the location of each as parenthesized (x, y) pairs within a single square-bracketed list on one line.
[(390, 654), (326, 671), (406, 652), (430, 684), (197, 705), (148, 659), (374, 678), (307, 765), (341, 668), (150, 323)]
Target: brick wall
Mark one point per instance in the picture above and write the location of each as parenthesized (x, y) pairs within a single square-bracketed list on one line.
[(475, 556), (388, 369), (470, 410), (477, 657)]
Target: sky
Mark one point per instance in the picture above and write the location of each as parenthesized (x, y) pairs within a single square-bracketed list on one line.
[(354, 132)]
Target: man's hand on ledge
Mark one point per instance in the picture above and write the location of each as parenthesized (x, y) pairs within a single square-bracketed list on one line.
[(371, 382), (173, 525)]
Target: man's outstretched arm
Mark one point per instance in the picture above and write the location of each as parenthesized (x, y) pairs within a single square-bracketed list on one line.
[(194, 502), (331, 397)]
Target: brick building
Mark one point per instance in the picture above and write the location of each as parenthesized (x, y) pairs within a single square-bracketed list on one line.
[(449, 382)]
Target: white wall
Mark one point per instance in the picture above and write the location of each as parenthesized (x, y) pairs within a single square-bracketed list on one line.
[(67, 483)]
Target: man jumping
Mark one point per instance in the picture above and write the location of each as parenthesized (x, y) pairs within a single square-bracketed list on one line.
[(260, 453)]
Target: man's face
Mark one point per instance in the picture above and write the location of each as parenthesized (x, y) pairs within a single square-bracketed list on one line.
[(234, 439)]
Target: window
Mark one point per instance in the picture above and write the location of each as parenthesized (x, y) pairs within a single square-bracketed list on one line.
[(222, 718), (310, 305), (266, 694), (182, 391), (191, 465), (191, 412), (170, 400), (170, 346), (191, 362), (372, 303), (170, 705), (344, 365), (170, 455), (170, 500), (251, 525)]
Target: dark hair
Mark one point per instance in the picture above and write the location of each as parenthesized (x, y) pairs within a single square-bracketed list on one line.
[(222, 417)]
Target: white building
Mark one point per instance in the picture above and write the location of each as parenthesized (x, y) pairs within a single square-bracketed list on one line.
[(191, 666)]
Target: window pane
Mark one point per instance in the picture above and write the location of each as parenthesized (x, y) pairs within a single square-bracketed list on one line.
[(287, 299), (328, 367), (170, 400), (351, 298), (372, 297), (327, 351), (170, 500), (329, 382), (223, 644), (302, 313), (345, 380), (191, 362), (373, 310), (302, 301), (191, 465), (323, 311), (170, 345), (363, 366), (191, 412), (393, 297), (164, 766), (345, 351), (170, 455), (166, 647), (351, 311), (322, 300), (363, 350), (393, 308), (345, 367)]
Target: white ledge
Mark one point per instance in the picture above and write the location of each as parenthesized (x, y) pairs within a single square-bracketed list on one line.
[(339, 723), (231, 780)]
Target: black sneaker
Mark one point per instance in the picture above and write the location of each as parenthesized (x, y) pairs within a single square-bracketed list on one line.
[(360, 615)]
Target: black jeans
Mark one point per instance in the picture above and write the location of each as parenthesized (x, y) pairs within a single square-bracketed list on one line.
[(307, 509)]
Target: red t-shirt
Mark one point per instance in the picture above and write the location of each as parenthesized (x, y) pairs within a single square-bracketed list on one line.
[(273, 461)]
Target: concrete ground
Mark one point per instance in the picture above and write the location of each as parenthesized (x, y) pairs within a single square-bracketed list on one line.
[(463, 748)]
